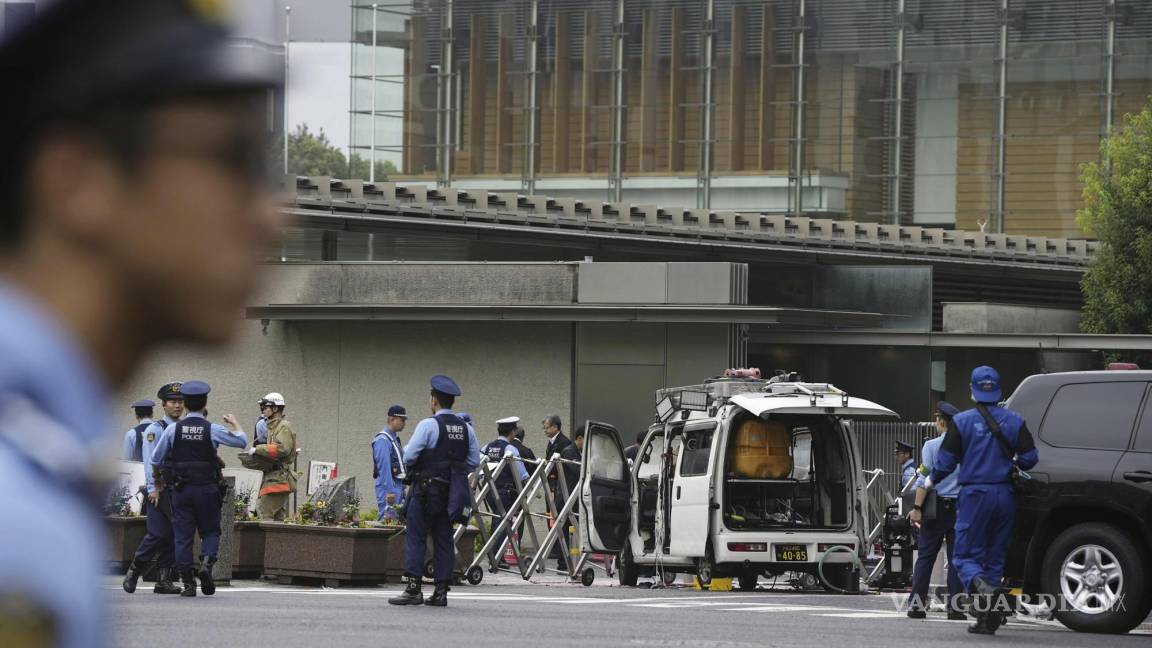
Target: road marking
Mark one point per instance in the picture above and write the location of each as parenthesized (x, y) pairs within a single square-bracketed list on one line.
[(861, 615)]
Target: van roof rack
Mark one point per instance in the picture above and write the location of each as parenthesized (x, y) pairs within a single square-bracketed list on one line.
[(720, 389)]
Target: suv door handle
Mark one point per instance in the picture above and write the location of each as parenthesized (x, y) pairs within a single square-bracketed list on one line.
[(1140, 476)]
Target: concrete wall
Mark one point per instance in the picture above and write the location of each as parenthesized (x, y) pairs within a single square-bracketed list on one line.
[(340, 378), (1006, 318)]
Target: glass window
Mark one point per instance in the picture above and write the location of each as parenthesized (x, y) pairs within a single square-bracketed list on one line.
[(801, 454), (1097, 415), (697, 451), (605, 458), (1144, 434)]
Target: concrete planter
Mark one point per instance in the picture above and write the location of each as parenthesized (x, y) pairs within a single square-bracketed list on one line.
[(465, 552), (124, 536), (247, 549), (336, 555)]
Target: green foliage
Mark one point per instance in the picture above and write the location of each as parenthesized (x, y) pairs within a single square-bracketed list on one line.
[(321, 514), (241, 501), (119, 503), (1118, 212), (313, 154)]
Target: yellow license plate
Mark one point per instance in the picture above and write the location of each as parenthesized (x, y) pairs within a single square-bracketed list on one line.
[(791, 553)]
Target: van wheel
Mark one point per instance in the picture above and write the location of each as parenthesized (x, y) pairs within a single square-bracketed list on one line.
[(1099, 579), (705, 568), (626, 570), (748, 581)]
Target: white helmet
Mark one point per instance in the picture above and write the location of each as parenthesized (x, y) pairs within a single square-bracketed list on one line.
[(273, 399)]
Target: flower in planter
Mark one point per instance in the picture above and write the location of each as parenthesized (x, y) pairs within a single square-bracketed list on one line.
[(119, 503), (242, 500)]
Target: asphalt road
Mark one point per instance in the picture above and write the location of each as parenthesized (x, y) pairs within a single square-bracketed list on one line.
[(505, 612)]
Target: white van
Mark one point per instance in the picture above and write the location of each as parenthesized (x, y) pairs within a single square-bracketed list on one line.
[(737, 478)]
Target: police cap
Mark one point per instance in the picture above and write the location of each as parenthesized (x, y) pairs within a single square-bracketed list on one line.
[(944, 408), (507, 425), (904, 447), (465, 416), (444, 385), (398, 411), (140, 404), (195, 388), (170, 391)]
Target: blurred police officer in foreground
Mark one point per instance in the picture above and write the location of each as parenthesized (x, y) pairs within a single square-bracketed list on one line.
[(938, 529), (134, 437), (991, 444), (388, 464), (439, 456), (158, 544), (505, 490), (126, 132), (187, 457)]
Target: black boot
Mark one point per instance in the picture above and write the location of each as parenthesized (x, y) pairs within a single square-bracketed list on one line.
[(207, 585), (131, 578), (164, 584), (189, 581), (439, 597), (413, 595)]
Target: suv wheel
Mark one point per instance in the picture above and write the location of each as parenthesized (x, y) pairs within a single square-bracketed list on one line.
[(1099, 579)]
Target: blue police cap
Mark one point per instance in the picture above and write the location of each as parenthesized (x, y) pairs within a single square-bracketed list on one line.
[(195, 388), (170, 391), (947, 409), (904, 447), (445, 385), (143, 403), (398, 411), (986, 385), (464, 416)]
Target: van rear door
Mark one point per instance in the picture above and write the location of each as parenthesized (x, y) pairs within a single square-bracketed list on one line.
[(605, 491)]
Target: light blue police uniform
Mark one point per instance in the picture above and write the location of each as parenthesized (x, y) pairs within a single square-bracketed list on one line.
[(220, 436), (130, 440), (427, 433), (386, 452), (261, 432), (511, 451), (151, 438), (907, 473), (53, 451)]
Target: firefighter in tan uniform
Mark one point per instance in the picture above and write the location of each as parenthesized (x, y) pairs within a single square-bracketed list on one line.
[(274, 459)]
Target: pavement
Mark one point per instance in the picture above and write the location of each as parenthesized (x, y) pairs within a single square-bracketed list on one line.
[(506, 611)]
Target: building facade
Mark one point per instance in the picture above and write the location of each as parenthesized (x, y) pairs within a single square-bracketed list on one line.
[(963, 114)]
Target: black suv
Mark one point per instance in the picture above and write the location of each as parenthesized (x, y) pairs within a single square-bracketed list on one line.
[(1083, 531)]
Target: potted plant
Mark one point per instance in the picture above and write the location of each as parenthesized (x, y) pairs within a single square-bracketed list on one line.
[(125, 528), (247, 538)]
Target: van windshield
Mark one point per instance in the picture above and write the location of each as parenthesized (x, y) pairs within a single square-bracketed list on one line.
[(786, 472)]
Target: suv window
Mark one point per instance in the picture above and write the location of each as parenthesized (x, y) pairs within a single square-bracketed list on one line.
[(1144, 434), (1093, 415)]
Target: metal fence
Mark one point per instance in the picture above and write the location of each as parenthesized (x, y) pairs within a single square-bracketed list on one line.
[(878, 440)]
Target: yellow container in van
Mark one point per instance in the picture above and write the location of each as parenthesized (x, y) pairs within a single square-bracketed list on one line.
[(760, 450)]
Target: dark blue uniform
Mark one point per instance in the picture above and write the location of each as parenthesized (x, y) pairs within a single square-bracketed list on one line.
[(986, 508), (428, 500), (193, 467)]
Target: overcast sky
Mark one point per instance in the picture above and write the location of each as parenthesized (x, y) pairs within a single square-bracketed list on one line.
[(318, 87)]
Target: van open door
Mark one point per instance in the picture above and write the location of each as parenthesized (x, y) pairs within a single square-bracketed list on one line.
[(605, 491)]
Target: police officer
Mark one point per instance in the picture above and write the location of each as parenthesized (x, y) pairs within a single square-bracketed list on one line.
[(388, 463), (134, 437), (273, 457), (158, 543), (938, 530), (505, 486), (135, 123), (439, 456), (991, 444), (904, 453), (187, 456)]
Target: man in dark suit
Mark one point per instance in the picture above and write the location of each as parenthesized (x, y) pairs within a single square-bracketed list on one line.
[(558, 444)]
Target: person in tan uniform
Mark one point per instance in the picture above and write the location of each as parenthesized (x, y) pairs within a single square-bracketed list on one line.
[(274, 459)]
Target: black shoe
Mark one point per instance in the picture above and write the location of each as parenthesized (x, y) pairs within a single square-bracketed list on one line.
[(189, 580), (207, 585), (439, 597), (412, 594), (131, 578), (164, 584), (957, 616), (917, 614)]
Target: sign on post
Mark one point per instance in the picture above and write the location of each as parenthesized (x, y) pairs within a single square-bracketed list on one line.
[(318, 473)]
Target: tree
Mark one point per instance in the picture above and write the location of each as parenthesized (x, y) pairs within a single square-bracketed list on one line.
[(312, 154), (1118, 212)]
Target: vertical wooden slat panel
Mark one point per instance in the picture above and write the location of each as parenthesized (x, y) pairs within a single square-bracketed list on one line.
[(477, 84), (767, 90), (414, 75), (588, 82), (676, 95), (736, 89), (504, 137), (561, 96), (649, 91)]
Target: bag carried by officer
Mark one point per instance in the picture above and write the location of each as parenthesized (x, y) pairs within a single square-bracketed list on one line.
[(1016, 476)]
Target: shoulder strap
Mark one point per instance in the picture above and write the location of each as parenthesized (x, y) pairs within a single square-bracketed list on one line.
[(995, 428)]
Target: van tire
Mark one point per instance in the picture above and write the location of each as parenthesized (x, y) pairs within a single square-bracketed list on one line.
[(626, 570), (706, 568), (1118, 547)]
